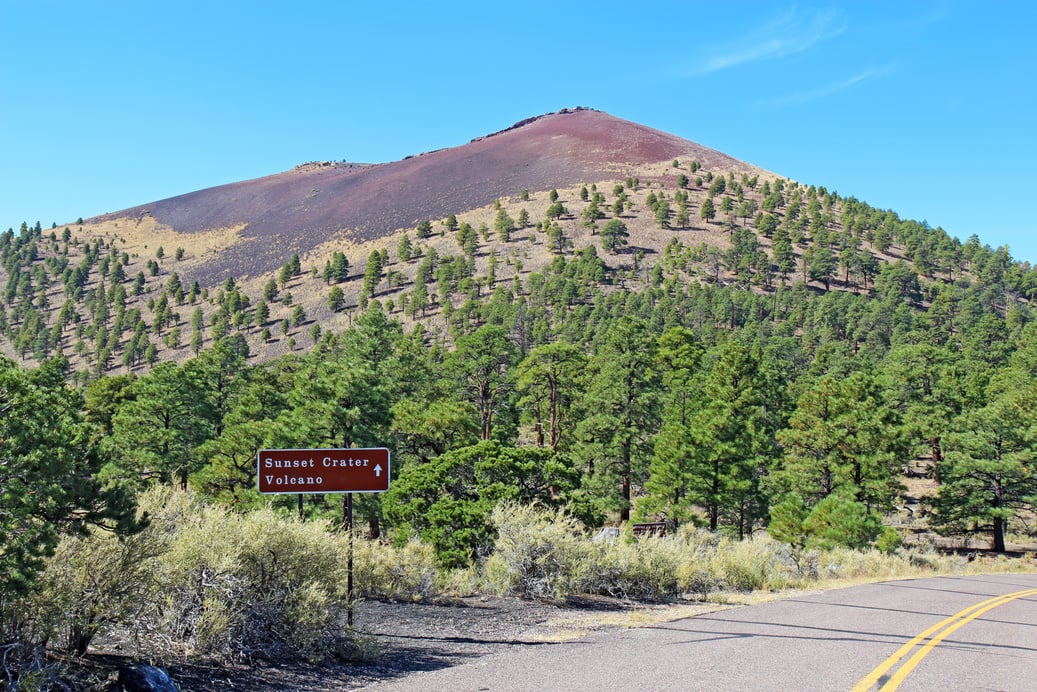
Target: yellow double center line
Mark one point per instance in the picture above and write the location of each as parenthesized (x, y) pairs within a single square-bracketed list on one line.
[(944, 628)]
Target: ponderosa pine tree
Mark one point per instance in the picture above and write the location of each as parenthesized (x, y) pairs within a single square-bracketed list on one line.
[(620, 414), (48, 484), (678, 357), (732, 435), (547, 383), (708, 211), (482, 364), (988, 475), (842, 437), (614, 236), (504, 225), (156, 434), (372, 273), (924, 383), (336, 299)]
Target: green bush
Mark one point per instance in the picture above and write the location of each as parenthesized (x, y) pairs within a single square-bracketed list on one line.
[(840, 521), (889, 540), (449, 500)]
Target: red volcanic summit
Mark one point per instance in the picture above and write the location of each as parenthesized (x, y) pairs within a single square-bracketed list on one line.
[(300, 209)]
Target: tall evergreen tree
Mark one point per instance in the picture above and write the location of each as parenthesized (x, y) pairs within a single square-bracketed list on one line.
[(482, 363), (842, 435), (732, 436), (989, 474), (620, 414), (49, 463), (547, 381)]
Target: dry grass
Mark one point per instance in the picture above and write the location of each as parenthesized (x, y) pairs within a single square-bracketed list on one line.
[(572, 625), (141, 238)]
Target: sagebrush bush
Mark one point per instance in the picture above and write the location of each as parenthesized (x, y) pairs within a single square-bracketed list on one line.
[(846, 563), (644, 569), (751, 565), (407, 572), (545, 554), (99, 579), (698, 571), (465, 581), (538, 553), (246, 586), (24, 631)]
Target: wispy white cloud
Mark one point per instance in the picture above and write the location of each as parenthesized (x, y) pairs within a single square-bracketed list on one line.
[(786, 35), (826, 90)]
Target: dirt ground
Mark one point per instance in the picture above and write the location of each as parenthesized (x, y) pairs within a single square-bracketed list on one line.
[(395, 640)]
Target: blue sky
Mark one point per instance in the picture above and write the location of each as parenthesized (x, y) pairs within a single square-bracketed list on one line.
[(925, 108)]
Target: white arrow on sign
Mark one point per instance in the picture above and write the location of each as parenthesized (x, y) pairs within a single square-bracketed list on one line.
[(377, 470)]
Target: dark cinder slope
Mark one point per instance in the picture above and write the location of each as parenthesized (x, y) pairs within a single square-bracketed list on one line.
[(300, 209)]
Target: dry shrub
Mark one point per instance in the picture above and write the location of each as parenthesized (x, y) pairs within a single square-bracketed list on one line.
[(875, 564), (544, 554), (698, 571), (538, 553), (690, 562), (458, 583), (383, 571), (256, 585), (98, 580), (751, 565), (845, 563), (645, 569)]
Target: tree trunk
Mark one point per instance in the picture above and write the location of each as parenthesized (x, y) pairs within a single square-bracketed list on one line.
[(624, 512), (714, 503), (999, 535), (999, 521)]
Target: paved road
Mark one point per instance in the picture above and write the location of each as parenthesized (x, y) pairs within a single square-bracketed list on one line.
[(829, 641)]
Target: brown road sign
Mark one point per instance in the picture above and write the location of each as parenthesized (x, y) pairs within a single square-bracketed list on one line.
[(323, 470)]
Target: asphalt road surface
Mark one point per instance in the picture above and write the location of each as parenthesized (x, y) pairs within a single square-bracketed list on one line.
[(947, 633)]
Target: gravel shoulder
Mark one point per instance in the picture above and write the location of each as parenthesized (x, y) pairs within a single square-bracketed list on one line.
[(395, 640)]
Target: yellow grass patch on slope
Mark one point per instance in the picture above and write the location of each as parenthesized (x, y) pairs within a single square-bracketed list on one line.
[(143, 236)]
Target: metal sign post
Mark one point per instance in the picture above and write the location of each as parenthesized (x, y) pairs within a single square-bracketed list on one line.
[(349, 560)]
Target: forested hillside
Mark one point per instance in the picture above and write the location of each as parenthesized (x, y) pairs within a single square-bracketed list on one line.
[(801, 348), (688, 344)]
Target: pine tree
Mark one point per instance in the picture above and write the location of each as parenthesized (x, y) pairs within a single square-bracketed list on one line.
[(405, 250), (504, 225), (372, 273), (619, 414), (614, 235), (708, 211), (336, 299), (51, 464)]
